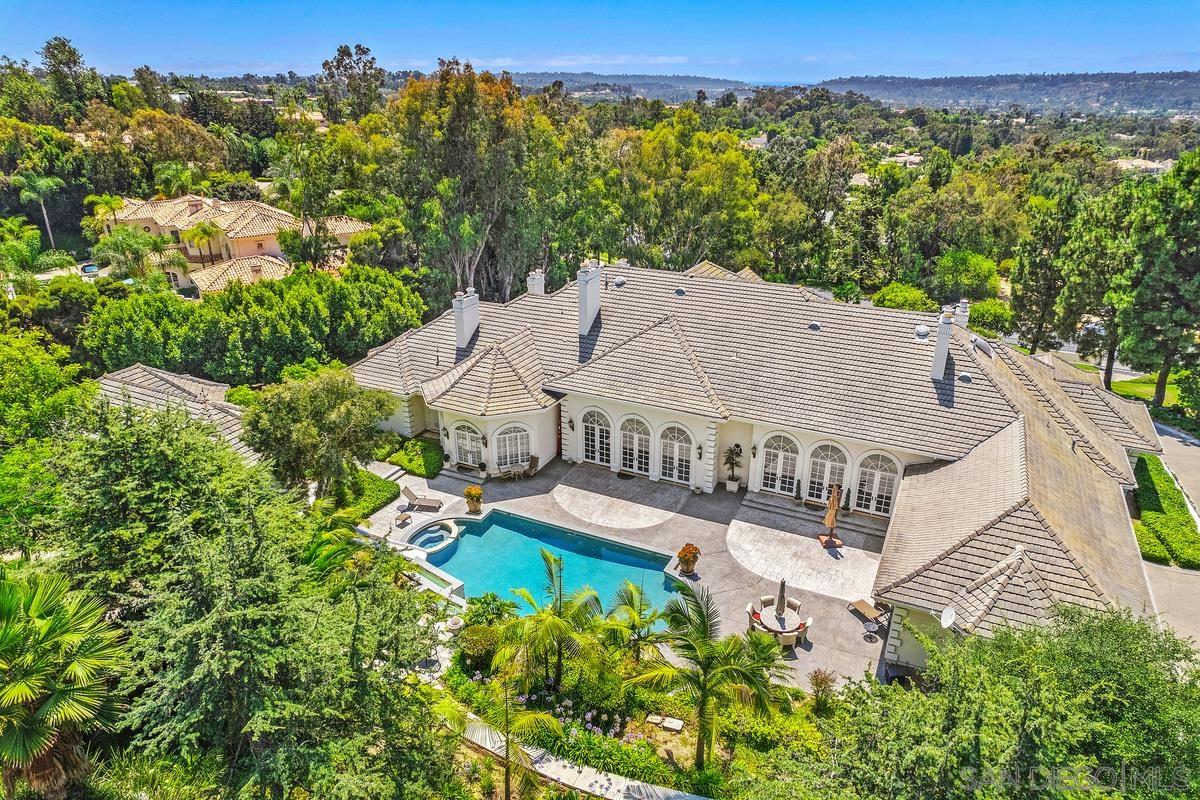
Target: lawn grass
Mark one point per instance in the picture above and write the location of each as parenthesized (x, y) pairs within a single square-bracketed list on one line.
[(1164, 516), (1143, 389), (1086, 367)]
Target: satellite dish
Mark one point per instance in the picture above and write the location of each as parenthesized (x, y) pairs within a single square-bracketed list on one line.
[(947, 618)]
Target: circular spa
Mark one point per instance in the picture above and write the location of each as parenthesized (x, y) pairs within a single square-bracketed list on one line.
[(436, 536)]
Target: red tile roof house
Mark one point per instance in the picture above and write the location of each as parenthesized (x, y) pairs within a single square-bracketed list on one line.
[(996, 479)]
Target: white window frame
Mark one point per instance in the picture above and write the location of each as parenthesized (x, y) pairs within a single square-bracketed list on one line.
[(781, 464), (635, 446), (597, 438), (674, 440), (825, 470), (468, 441), (512, 446), (878, 476)]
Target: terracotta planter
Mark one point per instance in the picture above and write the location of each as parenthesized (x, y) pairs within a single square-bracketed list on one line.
[(687, 567), (474, 507)]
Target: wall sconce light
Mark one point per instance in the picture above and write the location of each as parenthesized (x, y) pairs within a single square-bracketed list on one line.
[(483, 439), (754, 451), (699, 451), (445, 433), (571, 423)]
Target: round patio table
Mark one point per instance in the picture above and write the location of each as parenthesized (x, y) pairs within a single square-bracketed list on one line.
[(790, 621)]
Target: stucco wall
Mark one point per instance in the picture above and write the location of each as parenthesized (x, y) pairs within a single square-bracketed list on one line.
[(728, 434), (542, 426), (902, 646), (249, 247)]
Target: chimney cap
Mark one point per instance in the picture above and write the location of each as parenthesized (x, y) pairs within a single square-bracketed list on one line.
[(470, 290)]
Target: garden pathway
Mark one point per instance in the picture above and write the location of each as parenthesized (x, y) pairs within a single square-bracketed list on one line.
[(1176, 589)]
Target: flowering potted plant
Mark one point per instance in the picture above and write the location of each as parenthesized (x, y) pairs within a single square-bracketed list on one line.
[(688, 555), (474, 496)]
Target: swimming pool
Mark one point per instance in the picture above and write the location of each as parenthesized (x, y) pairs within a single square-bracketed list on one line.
[(502, 552)]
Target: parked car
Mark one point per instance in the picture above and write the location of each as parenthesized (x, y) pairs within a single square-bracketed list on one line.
[(89, 268)]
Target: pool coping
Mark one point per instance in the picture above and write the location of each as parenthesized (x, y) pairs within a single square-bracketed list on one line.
[(455, 591)]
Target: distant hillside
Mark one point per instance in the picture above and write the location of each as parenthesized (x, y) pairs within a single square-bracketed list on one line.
[(1104, 92), (668, 88)]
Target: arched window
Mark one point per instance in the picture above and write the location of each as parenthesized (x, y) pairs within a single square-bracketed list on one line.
[(512, 446), (597, 438), (826, 466), (635, 446), (676, 454), (876, 485), (468, 445), (781, 461)]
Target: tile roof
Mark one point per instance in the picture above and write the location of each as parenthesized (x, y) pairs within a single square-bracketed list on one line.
[(147, 387), (1030, 517), (770, 352), (708, 269), (246, 269), (340, 225), (503, 378), (1126, 421), (236, 218), (245, 219), (655, 366)]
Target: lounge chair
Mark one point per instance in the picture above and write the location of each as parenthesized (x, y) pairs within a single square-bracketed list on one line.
[(866, 609), (420, 503)]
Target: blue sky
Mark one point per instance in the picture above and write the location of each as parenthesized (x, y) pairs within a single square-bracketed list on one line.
[(779, 42)]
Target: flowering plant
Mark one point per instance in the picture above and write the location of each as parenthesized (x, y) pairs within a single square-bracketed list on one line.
[(689, 553)]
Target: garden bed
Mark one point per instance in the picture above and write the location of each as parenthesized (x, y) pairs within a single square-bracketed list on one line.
[(1167, 527), (370, 494), (416, 456)]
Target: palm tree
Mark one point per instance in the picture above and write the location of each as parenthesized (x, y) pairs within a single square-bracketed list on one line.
[(514, 723), (174, 178), (632, 622), (716, 672), (20, 244), (36, 189), (556, 628), (57, 656), (105, 204), (200, 234)]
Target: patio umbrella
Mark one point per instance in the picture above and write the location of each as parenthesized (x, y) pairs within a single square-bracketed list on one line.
[(835, 498), (780, 601)]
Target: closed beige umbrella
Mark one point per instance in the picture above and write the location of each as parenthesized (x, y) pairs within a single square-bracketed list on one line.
[(835, 498)]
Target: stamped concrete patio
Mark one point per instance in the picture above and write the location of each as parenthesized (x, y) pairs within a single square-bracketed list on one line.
[(747, 547)]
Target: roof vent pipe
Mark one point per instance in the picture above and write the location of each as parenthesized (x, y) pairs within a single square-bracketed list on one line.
[(941, 348), (466, 317)]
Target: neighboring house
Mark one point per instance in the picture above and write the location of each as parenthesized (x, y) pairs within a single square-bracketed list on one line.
[(247, 269), (246, 229), (999, 479), (157, 389), (340, 227), (1142, 165), (906, 160)]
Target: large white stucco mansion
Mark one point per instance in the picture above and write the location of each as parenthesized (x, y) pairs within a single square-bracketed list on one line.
[(999, 477)]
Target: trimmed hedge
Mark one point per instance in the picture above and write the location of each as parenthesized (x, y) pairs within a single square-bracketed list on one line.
[(1164, 513), (1152, 548), (371, 493), (421, 457)]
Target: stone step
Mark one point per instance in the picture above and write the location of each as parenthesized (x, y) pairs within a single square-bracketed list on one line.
[(847, 522)]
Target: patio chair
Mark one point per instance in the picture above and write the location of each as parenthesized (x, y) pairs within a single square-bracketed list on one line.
[(751, 623), (766, 600), (789, 639), (802, 634), (532, 468), (793, 604), (866, 609), (420, 503)]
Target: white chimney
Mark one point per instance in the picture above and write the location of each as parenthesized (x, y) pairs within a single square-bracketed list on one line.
[(962, 314), (941, 348), (535, 282), (589, 296), (466, 317)]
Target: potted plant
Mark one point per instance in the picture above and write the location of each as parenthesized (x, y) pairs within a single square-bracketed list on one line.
[(474, 496), (688, 555), (733, 460)]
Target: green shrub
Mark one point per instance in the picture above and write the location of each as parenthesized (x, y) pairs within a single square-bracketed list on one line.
[(369, 493), (1164, 512), (905, 296), (764, 733), (1152, 549), (646, 700), (847, 292), (478, 644), (991, 316), (1189, 390), (242, 396), (489, 609), (421, 457), (636, 760), (387, 443), (961, 273)]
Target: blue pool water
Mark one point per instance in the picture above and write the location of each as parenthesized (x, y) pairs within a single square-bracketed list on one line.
[(502, 552)]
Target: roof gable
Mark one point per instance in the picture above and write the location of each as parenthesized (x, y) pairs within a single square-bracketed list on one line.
[(503, 378)]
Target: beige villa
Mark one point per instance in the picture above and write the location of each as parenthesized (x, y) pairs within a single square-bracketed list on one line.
[(246, 246), (997, 479)]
